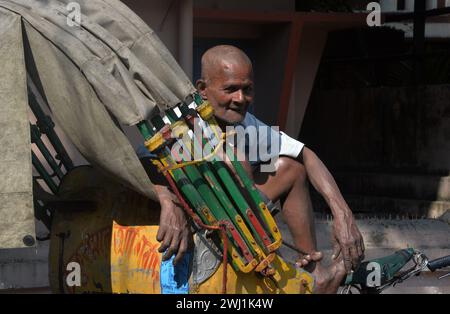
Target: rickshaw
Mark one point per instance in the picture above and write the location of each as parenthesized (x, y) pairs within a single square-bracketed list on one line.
[(86, 81)]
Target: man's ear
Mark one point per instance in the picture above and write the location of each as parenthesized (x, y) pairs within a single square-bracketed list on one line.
[(201, 87)]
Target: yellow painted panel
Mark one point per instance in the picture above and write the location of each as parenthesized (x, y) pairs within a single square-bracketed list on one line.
[(116, 248)]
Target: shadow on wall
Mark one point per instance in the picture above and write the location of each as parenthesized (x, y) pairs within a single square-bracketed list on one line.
[(385, 129), (386, 142)]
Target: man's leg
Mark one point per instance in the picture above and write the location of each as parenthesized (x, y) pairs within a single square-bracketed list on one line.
[(289, 183)]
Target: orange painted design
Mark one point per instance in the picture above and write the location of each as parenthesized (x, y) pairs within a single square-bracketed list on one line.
[(141, 254), (148, 257), (124, 238)]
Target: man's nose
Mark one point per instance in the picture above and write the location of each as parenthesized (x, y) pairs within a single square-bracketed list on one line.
[(239, 96)]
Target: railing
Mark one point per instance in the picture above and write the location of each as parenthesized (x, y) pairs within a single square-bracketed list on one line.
[(56, 157)]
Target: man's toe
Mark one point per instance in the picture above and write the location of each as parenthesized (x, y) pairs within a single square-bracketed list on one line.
[(316, 256)]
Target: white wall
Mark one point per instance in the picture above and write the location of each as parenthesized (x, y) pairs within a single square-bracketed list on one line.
[(391, 5)]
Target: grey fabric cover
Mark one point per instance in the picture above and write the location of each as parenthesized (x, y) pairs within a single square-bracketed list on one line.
[(111, 64), (16, 198)]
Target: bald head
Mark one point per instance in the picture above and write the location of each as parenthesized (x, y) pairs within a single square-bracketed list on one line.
[(227, 83), (219, 60)]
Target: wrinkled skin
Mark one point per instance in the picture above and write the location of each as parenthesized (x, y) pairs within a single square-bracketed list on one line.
[(174, 231), (230, 92), (227, 83), (348, 242), (347, 239)]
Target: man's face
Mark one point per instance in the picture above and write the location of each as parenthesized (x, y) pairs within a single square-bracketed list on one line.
[(229, 89)]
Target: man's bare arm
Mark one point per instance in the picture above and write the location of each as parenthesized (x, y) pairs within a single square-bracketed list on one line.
[(174, 231), (348, 239)]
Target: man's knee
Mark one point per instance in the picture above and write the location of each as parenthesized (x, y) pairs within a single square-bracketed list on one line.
[(292, 168)]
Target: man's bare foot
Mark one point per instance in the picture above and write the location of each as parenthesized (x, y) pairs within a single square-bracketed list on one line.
[(310, 259), (328, 279)]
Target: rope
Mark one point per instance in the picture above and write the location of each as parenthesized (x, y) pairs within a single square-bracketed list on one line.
[(225, 257), (197, 161)]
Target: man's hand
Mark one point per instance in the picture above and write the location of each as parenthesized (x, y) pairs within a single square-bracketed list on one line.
[(346, 236), (174, 231), (348, 241)]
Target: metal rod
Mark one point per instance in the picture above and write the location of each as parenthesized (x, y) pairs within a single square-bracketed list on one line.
[(43, 173), (47, 127), (36, 139)]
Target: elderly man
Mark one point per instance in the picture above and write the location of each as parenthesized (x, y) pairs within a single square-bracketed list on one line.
[(227, 83)]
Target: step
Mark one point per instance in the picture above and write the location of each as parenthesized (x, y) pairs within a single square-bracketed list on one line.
[(385, 235), (25, 268), (378, 205), (382, 237), (407, 186)]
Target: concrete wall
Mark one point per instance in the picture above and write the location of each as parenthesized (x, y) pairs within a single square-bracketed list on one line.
[(312, 43), (381, 129), (271, 54), (27, 267), (434, 129)]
